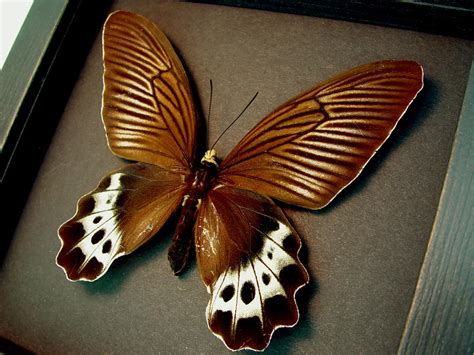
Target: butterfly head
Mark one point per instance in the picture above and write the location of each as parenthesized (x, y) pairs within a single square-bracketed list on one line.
[(210, 158)]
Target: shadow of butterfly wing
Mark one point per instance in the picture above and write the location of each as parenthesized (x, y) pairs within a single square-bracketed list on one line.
[(149, 117), (247, 254), (308, 150)]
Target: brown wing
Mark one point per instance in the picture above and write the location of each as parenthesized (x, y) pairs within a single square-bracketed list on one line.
[(147, 108), (247, 254), (308, 150), (127, 208)]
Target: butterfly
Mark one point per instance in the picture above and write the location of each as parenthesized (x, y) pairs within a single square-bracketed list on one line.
[(303, 153)]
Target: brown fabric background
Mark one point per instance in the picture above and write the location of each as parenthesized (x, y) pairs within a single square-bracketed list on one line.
[(363, 252)]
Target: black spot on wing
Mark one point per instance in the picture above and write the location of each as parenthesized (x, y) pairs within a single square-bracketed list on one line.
[(97, 219), (128, 180), (107, 246), (291, 245), (267, 226), (92, 269), (256, 244), (86, 206), (73, 261), (291, 277), (121, 199), (247, 292), (227, 293), (97, 237), (104, 183), (266, 278), (271, 225), (221, 322), (71, 232), (280, 311), (249, 333)]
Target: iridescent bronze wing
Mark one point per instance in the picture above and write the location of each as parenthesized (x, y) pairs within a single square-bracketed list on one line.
[(148, 111), (306, 151)]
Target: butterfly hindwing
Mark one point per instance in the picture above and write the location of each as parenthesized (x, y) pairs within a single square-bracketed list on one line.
[(247, 254), (309, 149), (148, 111), (127, 208)]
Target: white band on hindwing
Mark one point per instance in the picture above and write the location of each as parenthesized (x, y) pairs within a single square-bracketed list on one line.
[(102, 235), (243, 291)]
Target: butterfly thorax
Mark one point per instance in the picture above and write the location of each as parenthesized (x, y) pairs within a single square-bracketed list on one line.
[(200, 182)]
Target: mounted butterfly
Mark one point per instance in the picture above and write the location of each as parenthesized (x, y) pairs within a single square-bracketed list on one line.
[(303, 153)]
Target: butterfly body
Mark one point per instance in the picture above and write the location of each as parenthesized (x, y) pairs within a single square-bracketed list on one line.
[(303, 153), (183, 238)]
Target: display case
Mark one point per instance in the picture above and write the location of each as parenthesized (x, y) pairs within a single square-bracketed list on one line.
[(366, 252)]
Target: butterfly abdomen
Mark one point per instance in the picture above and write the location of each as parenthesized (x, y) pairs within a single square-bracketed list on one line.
[(183, 241)]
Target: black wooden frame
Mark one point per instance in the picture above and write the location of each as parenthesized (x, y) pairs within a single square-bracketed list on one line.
[(441, 318), (54, 59), (446, 17)]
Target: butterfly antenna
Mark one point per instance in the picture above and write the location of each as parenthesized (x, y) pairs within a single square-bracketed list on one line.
[(210, 102), (208, 118), (235, 119)]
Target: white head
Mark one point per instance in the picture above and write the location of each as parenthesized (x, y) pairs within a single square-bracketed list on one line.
[(210, 157)]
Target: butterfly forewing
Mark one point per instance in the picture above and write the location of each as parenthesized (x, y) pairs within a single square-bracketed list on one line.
[(247, 254), (309, 149), (147, 110)]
